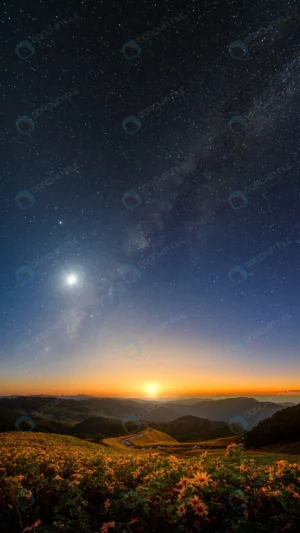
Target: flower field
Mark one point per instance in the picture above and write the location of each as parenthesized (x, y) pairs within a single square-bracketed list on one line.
[(53, 483)]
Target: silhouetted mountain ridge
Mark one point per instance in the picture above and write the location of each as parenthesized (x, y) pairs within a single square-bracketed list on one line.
[(282, 427)]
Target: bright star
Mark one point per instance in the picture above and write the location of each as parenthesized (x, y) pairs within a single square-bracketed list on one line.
[(71, 279)]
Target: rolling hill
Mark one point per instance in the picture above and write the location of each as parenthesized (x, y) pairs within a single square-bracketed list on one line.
[(183, 429), (193, 428), (109, 427), (282, 427), (66, 412)]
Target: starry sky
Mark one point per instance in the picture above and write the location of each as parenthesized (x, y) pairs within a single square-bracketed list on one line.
[(115, 284)]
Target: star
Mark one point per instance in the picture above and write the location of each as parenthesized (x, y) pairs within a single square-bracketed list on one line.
[(71, 279)]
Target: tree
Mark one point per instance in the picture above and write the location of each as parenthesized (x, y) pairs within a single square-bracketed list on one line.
[(98, 437)]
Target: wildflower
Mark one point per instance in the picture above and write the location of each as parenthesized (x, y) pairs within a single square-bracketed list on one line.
[(200, 509), (107, 504), (295, 495), (106, 526), (264, 490), (184, 482), (194, 500), (201, 478), (36, 524), (181, 509), (133, 521), (181, 493)]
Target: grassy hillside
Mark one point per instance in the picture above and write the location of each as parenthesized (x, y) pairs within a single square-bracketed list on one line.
[(145, 438), (51, 483), (192, 428), (282, 427), (184, 429), (155, 441), (109, 427)]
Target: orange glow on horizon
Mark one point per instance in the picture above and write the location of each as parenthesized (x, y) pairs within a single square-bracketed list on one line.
[(145, 391)]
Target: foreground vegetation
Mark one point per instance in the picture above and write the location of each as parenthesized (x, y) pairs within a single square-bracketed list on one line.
[(53, 483)]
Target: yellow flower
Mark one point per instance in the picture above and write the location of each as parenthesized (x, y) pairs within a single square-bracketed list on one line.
[(107, 504), (296, 495), (181, 509), (194, 501), (106, 526), (201, 478), (181, 493), (184, 482), (264, 490), (200, 509)]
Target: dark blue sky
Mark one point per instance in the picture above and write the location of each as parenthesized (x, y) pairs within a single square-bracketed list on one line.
[(83, 304)]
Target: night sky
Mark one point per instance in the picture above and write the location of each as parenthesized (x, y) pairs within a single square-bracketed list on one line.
[(112, 284)]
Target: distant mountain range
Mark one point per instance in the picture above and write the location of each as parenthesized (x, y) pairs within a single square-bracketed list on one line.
[(69, 411)]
